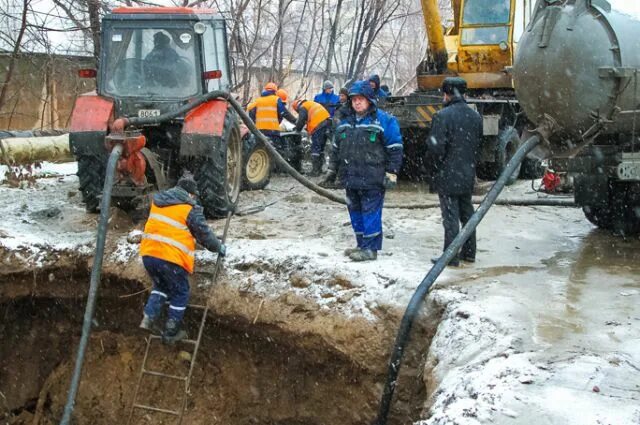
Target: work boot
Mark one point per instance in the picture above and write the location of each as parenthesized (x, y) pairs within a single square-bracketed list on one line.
[(349, 251), (363, 255), (468, 259), (173, 333), (316, 162), (452, 263), (149, 324)]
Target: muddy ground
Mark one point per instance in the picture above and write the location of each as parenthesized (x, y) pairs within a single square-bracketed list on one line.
[(543, 328)]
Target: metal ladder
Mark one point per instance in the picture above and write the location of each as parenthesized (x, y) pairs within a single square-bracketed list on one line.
[(179, 414)]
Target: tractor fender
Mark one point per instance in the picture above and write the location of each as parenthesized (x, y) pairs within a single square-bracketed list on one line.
[(204, 126), (89, 125)]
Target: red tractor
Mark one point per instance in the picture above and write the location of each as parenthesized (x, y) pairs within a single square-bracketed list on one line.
[(153, 61)]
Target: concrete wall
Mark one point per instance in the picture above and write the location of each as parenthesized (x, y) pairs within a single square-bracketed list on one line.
[(42, 90)]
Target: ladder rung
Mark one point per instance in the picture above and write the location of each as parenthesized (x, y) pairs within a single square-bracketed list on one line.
[(156, 409), (186, 341), (164, 375)]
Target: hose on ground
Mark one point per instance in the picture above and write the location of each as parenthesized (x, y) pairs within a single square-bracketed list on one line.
[(282, 163), (96, 272), (404, 332)]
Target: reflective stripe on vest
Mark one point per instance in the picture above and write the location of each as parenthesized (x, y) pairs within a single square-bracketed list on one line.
[(267, 113), (316, 114), (167, 236)]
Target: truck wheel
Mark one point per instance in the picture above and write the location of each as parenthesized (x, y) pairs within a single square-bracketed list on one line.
[(531, 169), (91, 177), (219, 176), (257, 165), (508, 143), (599, 216)]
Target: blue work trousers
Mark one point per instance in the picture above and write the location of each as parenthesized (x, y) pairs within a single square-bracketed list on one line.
[(319, 139), (365, 210), (170, 284)]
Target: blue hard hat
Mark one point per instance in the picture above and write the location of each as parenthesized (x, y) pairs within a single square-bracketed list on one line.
[(362, 88)]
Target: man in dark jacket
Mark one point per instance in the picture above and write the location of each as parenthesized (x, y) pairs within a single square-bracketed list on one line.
[(374, 81), (456, 134), (367, 150), (176, 221), (160, 63)]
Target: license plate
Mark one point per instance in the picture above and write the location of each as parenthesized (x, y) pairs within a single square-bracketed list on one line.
[(144, 113)]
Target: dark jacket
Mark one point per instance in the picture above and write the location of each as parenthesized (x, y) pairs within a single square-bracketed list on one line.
[(195, 220), (365, 149), (454, 144)]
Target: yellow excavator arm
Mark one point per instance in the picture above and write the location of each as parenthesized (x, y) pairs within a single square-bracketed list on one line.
[(479, 45)]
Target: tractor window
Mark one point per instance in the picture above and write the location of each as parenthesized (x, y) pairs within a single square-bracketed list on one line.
[(150, 62), (216, 55), (486, 12), (484, 35)]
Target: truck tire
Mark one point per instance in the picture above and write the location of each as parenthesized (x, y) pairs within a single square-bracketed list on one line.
[(598, 216), (219, 175), (91, 177), (258, 164), (531, 169), (507, 143)]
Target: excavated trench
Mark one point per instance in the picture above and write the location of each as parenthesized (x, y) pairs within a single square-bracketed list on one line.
[(246, 373)]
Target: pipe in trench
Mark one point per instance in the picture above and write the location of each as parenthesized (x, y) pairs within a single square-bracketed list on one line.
[(96, 271), (417, 300)]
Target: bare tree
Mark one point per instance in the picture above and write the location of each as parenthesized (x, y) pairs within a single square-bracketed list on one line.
[(14, 54)]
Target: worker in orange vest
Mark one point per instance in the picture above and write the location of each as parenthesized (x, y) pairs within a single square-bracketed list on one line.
[(268, 111), (319, 125), (175, 223)]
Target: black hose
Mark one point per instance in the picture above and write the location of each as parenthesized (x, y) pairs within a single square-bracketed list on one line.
[(96, 271), (402, 338), (135, 121)]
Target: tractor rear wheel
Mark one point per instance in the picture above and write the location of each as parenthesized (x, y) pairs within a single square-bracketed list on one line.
[(91, 177), (219, 175), (257, 165)]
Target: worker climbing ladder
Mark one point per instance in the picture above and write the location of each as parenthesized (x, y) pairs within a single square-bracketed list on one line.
[(186, 379)]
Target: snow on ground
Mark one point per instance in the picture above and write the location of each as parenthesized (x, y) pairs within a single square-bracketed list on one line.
[(543, 328)]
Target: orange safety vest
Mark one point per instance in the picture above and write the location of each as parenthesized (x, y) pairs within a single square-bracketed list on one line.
[(316, 114), (251, 106), (166, 236), (267, 113)]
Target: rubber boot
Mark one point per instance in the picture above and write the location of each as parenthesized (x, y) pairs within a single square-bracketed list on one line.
[(316, 161), (149, 324), (364, 255), (349, 251), (173, 332)]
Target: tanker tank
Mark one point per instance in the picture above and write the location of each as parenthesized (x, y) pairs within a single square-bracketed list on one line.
[(576, 63), (576, 77)]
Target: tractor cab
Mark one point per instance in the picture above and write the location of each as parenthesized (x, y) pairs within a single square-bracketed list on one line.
[(162, 56)]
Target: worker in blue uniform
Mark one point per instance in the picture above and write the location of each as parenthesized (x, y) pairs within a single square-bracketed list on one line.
[(367, 149)]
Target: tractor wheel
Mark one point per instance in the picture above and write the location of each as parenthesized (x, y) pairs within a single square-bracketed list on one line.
[(219, 176), (257, 165), (91, 176)]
